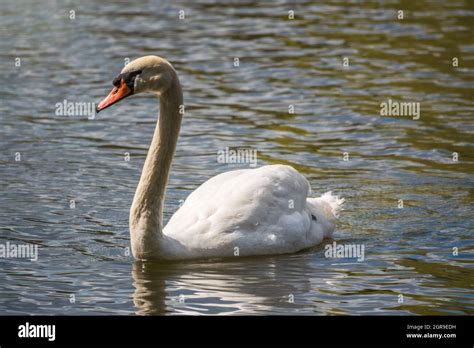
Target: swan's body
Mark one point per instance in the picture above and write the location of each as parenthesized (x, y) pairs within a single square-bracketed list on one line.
[(239, 213), (250, 212)]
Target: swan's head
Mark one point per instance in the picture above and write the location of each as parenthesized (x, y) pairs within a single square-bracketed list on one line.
[(145, 74)]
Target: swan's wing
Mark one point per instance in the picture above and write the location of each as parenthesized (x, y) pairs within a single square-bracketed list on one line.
[(260, 211)]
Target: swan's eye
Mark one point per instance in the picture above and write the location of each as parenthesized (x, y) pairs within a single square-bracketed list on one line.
[(116, 81), (128, 78), (313, 218)]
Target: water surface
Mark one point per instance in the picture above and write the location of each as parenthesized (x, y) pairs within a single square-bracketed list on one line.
[(82, 247)]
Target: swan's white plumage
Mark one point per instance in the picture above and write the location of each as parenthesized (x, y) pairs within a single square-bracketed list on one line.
[(245, 212), (259, 211)]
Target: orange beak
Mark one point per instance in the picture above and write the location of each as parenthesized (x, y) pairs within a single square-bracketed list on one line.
[(116, 95)]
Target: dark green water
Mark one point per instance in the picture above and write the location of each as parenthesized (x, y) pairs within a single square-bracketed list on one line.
[(283, 62)]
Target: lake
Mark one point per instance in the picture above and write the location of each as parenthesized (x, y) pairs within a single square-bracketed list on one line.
[(306, 91)]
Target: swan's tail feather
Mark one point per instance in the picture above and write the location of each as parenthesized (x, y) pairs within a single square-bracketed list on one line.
[(334, 202)]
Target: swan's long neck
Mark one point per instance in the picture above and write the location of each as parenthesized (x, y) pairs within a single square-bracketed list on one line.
[(146, 214)]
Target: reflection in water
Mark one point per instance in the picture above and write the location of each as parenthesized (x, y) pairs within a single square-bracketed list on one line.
[(283, 62), (149, 296), (231, 286)]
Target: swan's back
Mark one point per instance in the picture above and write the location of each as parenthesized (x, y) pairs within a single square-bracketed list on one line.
[(247, 212)]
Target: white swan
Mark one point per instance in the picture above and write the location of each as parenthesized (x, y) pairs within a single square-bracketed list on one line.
[(239, 213)]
